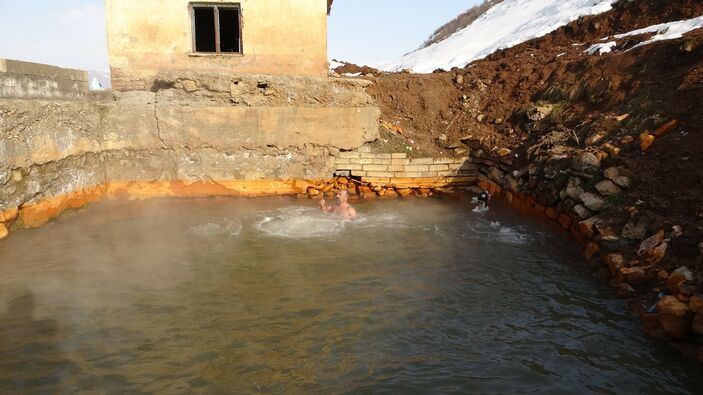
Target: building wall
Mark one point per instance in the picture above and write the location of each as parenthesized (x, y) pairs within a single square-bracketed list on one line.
[(25, 80), (279, 37)]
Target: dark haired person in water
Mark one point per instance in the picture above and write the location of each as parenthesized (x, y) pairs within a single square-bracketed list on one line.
[(342, 208)]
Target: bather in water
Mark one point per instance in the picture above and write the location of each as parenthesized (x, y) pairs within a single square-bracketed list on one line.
[(342, 208)]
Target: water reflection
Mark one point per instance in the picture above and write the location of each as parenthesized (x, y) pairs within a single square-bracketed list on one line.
[(30, 356), (242, 296)]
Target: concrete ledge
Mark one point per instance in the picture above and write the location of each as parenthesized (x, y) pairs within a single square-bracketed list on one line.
[(26, 80)]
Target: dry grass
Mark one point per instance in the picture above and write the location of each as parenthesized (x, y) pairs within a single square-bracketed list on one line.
[(460, 22)]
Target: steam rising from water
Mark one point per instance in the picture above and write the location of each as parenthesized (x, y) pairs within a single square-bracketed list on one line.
[(243, 296)]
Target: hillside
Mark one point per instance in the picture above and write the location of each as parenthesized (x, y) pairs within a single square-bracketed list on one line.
[(603, 86), (504, 25)]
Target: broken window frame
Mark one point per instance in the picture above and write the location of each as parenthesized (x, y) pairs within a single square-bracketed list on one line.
[(218, 31)]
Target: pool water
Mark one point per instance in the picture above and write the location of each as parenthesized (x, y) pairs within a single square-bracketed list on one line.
[(270, 296)]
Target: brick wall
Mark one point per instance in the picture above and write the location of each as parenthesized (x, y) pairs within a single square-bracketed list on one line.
[(397, 168)]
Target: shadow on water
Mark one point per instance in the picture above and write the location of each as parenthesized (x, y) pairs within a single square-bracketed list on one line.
[(30, 357)]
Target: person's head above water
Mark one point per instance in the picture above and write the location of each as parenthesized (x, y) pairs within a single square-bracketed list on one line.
[(342, 196)]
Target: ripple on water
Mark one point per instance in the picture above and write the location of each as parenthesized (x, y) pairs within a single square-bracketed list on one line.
[(494, 231), (227, 227)]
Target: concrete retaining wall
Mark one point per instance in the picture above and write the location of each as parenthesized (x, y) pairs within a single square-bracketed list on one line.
[(25, 80)]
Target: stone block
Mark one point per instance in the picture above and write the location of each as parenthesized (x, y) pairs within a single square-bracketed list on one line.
[(375, 168), (408, 174), (439, 167), (444, 161), (340, 161), (399, 155), (417, 168), (422, 161), (349, 155), (370, 155), (379, 174), (402, 162)]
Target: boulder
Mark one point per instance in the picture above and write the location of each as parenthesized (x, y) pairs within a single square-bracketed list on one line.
[(588, 227), (674, 316), (4, 232), (698, 323), (574, 188), (615, 263), (9, 214), (592, 201), (678, 279), (634, 276), (587, 163), (654, 248), (582, 211), (608, 188), (623, 182), (633, 231), (611, 173)]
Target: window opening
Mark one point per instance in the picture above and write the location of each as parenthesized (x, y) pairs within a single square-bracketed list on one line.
[(217, 29)]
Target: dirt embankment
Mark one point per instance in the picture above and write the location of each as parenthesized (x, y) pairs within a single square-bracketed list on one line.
[(546, 103)]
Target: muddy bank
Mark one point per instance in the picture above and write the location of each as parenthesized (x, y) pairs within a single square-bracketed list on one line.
[(608, 143)]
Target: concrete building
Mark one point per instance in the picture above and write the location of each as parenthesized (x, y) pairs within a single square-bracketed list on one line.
[(270, 37)]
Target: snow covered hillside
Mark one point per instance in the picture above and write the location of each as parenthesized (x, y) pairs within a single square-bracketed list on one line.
[(505, 25)]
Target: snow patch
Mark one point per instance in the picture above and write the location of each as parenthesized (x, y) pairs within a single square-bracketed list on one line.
[(665, 31), (600, 49), (505, 25)]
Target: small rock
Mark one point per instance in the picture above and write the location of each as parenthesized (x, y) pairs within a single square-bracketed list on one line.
[(685, 292), (663, 275), (595, 137), (654, 248), (481, 117), (190, 86), (623, 182), (674, 316), (442, 137), (615, 263), (592, 201), (588, 227), (498, 121), (627, 140), (587, 162), (633, 231), (695, 303), (608, 188), (678, 279), (634, 276), (611, 173), (625, 290), (698, 323), (582, 211), (459, 79), (540, 113), (503, 152), (4, 232)]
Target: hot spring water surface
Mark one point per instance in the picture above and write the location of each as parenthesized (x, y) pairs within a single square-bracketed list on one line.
[(248, 296)]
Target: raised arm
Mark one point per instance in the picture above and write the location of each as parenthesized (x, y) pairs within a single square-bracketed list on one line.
[(324, 207)]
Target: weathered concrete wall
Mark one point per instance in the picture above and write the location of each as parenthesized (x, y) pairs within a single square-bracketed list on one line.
[(280, 37), (190, 138), (25, 80)]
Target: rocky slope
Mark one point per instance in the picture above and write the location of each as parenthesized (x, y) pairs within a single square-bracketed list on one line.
[(613, 140)]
